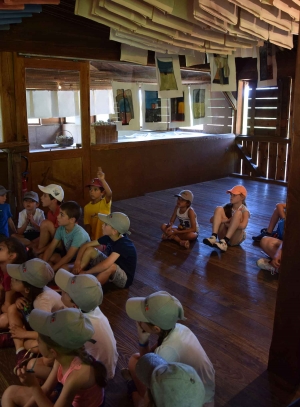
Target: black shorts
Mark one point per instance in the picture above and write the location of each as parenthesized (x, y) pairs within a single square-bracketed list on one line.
[(31, 234)]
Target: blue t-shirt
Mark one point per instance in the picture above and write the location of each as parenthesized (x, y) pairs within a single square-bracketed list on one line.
[(126, 249), (76, 238), (5, 214)]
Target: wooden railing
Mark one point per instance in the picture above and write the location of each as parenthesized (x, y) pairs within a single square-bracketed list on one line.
[(263, 156)]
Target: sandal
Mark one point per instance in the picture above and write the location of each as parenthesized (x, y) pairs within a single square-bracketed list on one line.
[(185, 243), (23, 358)]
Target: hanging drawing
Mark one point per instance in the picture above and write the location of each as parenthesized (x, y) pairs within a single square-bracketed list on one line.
[(126, 105), (154, 109), (223, 72), (200, 104), (266, 65), (168, 76), (180, 110)]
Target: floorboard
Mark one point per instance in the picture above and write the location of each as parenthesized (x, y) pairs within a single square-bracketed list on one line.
[(229, 303)]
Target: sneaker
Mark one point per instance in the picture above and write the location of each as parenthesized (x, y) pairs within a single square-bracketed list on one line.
[(265, 264), (6, 340), (262, 234), (210, 241), (222, 245)]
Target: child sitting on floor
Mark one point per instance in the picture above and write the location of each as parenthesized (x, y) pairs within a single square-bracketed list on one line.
[(62, 336), (30, 219), (230, 221), (188, 228), (69, 235), (6, 221), (12, 251), (100, 194), (277, 216), (119, 265)]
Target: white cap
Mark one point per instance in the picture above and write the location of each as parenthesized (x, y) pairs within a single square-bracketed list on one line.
[(55, 190)]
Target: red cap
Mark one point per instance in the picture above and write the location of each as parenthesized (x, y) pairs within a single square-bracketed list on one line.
[(95, 183)]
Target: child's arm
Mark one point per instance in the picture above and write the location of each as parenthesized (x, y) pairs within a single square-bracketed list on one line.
[(23, 222), (281, 210), (21, 333), (12, 225), (193, 228), (35, 225), (50, 249), (105, 264), (66, 259), (108, 192), (245, 220), (173, 217)]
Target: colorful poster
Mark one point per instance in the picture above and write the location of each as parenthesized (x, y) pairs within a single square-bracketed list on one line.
[(168, 76), (180, 110), (266, 65), (200, 103), (223, 73), (154, 109), (126, 104)]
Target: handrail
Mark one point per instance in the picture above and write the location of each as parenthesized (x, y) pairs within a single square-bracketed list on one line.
[(264, 139)]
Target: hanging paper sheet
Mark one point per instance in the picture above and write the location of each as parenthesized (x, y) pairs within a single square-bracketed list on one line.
[(154, 109), (168, 76), (223, 72), (266, 66), (126, 102)]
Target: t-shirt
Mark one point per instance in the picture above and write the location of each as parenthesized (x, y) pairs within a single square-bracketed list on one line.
[(127, 259), (49, 300), (105, 348), (53, 216), (5, 214), (5, 280), (38, 217), (181, 345), (77, 237), (89, 219)]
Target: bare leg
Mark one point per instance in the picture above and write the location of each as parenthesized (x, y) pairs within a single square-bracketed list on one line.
[(218, 219), (47, 232), (15, 396), (15, 318), (184, 238), (3, 321), (141, 388), (270, 245), (21, 238), (89, 254)]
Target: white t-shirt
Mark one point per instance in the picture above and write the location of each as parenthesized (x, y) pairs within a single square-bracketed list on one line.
[(181, 345), (38, 217), (105, 348), (49, 300)]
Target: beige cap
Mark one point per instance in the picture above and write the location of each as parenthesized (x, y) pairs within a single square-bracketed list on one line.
[(35, 272), (55, 190), (116, 220), (186, 195)]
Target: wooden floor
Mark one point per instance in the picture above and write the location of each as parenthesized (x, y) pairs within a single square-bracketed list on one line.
[(228, 302)]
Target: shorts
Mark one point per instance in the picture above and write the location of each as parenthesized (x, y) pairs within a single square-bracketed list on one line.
[(31, 234), (119, 278), (241, 241)]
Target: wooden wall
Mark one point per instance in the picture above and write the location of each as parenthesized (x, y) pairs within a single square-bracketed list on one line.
[(133, 169)]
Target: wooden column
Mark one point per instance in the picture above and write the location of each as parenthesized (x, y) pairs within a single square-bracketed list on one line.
[(284, 357)]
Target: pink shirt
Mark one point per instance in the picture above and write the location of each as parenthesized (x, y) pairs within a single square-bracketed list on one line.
[(91, 397)]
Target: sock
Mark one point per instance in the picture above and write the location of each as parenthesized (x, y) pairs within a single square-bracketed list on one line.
[(215, 235), (226, 239), (19, 350)]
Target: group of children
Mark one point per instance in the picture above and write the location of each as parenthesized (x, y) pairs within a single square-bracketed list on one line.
[(65, 347)]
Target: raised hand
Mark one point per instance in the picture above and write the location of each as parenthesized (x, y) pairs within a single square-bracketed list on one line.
[(100, 173)]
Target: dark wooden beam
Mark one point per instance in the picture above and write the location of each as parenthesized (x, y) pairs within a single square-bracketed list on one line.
[(243, 154), (284, 357)]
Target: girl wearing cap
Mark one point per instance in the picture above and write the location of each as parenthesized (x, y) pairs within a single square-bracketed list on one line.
[(188, 228), (61, 336), (230, 221), (158, 314)]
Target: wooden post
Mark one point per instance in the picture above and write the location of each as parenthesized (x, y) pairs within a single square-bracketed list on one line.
[(284, 357)]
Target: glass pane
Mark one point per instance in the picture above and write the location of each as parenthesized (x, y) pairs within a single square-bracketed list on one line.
[(53, 102)]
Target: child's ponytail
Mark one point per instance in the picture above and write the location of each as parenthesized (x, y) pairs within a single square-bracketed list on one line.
[(99, 368)]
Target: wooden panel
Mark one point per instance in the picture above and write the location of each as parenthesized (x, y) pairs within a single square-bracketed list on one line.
[(265, 122), (272, 160), (266, 113), (277, 140), (254, 151), (266, 93), (263, 158), (7, 94), (65, 172), (281, 162), (264, 102), (264, 132), (147, 169), (20, 92), (250, 131)]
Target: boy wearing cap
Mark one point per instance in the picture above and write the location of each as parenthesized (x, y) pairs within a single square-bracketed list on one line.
[(188, 228), (119, 265), (230, 221), (169, 384), (158, 314), (85, 292), (100, 194), (5, 215), (69, 235), (30, 219), (52, 198)]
